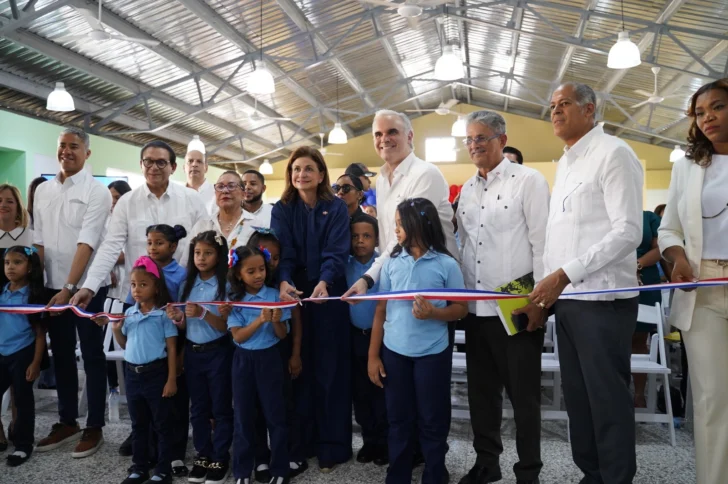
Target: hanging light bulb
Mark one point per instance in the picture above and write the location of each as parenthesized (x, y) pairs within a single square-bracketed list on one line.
[(261, 80), (265, 168), (458, 128), (337, 136), (60, 100), (676, 154), (624, 54), (449, 67), (196, 145)]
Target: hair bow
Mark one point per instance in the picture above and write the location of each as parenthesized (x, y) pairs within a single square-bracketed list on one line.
[(30, 250), (148, 264), (232, 258), (265, 230), (266, 253)]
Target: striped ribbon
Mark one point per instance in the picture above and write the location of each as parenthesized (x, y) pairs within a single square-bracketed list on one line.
[(434, 294)]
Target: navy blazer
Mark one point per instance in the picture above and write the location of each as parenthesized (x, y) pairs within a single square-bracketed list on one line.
[(317, 240)]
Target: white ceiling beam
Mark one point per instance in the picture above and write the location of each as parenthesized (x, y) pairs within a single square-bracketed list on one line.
[(515, 22), (29, 15)]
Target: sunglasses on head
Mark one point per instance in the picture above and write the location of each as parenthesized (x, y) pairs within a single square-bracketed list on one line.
[(346, 188)]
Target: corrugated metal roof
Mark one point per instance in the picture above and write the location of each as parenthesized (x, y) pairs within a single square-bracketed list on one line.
[(543, 37)]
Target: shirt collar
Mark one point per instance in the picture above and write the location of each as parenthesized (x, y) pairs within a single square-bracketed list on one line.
[(13, 234), (403, 167), (135, 310), (73, 179), (578, 149), (262, 295), (500, 170), (148, 193), (212, 282), (23, 290), (202, 188), (430, 254), (369, 262)]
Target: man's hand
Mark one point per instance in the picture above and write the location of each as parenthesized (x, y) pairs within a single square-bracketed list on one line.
[(60, 299), (536, 316), (321, 290), (356, 289), (82, 298), (549, 289)]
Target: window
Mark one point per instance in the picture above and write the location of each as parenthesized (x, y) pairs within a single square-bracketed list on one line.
[(440, 149)]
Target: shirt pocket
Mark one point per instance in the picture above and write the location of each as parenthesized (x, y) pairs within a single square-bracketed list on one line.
[(74, 212), (577, 199), (506, 212)]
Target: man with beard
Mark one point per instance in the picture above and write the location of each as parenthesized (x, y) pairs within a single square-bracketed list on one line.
[(255, 212)]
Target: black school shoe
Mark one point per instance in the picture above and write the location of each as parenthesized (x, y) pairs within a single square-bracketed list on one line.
[(163, 479), (381, 458), (367, 454), (16, 458), (262, 473), (125, 448), (136, 478), (199, 469), (217, 473), (179, 469), (297, 468)]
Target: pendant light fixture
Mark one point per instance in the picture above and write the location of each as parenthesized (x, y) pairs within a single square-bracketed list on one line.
[(676, 154), (260, 81), (449, 67), (625, 53), (337, 136), (60, 100), (459, 127), (265, 168)]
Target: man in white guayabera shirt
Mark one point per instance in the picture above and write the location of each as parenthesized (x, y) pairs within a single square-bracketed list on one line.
[(594, 229)]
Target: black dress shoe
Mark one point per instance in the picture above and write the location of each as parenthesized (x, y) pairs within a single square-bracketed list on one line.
[(302, 467), (481, 475), (382, 456), (367, 454), (528, 481), (125, 447)]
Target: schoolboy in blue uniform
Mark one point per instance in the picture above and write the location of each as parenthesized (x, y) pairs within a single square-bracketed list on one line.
[(370, 409)]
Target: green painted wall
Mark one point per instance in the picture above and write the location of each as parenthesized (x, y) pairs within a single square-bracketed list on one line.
[(27, 137)]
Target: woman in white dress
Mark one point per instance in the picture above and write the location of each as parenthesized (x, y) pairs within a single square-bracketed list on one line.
[(229, 217)]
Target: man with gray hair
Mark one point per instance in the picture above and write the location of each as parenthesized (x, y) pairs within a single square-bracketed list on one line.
[(405, 176), (594, 229), (502, 218), (70, 215)]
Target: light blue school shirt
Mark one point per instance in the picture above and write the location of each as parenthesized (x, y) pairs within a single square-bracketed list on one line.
[(403, 333), (362, 314), (199, 331), (15, 330), (146, 335), (239, 317), (174, 278)]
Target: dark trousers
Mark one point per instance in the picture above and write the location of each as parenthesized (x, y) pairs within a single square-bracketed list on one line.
[(149, 410), (180, 423), (259, 374), (12, 373), (595, 342), (322, 393), (417, 392), (262, 451), (370, 409), (494, 361), (62, 331), (208, 373)]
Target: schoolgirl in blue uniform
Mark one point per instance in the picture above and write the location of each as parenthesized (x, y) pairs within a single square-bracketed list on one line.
[(162, 243), (258, 372), (22, 343), (207, 357), (149, 339), (415, 362)]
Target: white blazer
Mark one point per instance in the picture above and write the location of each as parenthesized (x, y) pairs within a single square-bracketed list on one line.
[(682, 225)]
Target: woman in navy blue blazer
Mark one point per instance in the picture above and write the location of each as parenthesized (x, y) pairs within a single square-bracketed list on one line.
[(313, 228)]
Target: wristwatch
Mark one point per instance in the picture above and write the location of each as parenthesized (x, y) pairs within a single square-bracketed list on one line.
[(369, 280), (639, 266), (71, 288)]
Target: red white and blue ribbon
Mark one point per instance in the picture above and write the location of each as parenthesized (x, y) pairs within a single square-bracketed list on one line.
[(433, 294)]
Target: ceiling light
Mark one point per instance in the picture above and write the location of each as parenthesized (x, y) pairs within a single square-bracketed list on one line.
[(676, 154), (261, 80), (265, 168), (624, 54), (196, 145), (449, 67), (337, 136), (59, 99), (458, 127)]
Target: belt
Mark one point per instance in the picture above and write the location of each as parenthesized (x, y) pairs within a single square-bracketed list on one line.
[(365, 332), (154, 365), (210, 345)]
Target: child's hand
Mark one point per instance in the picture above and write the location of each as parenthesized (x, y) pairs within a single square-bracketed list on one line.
[(170, 389), (32, 372), (100, 320), (193, 310), (422, 308), (295, 366), (266, 315), (375, 368), (174, 313), (225, 310), (276, 315)]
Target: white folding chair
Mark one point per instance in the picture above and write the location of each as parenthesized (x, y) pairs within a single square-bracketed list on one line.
[(116, 354), (654, 364)]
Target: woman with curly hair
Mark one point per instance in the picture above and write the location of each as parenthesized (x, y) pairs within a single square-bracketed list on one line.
[(693, 236)]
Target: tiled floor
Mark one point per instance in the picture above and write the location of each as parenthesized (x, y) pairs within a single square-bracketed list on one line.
[(657, 461)]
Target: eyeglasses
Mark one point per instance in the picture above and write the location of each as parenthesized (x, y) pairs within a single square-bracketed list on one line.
[(717, 214), (478, 140), (221, 187), (148, 162), (346, 188)]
